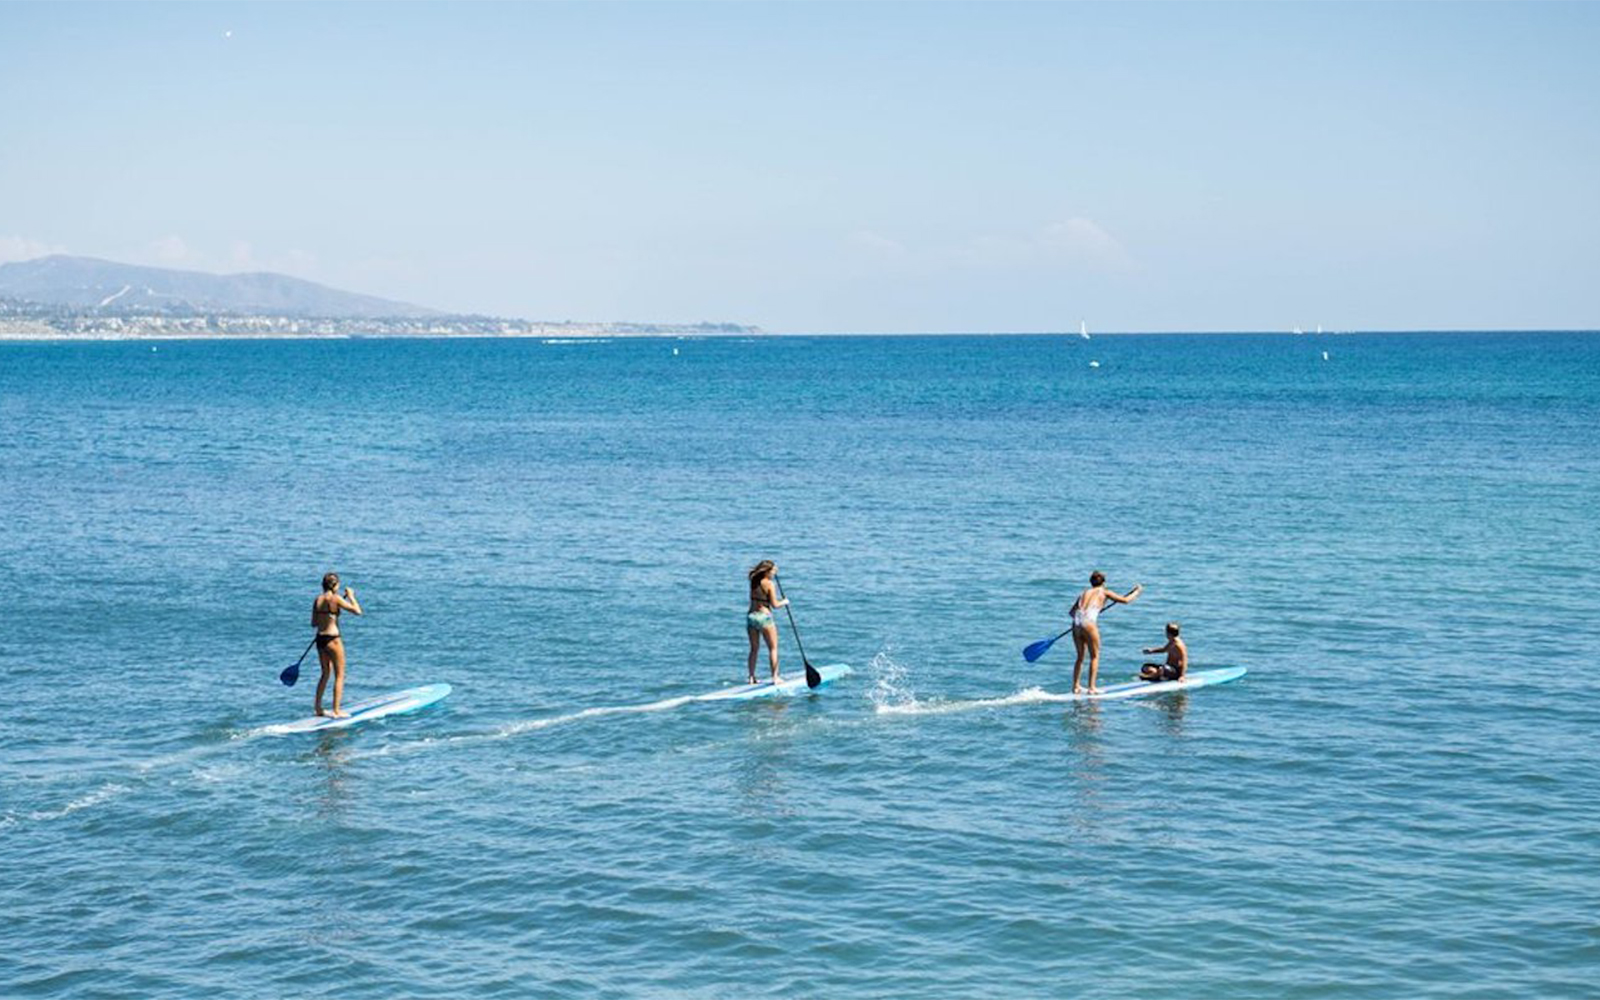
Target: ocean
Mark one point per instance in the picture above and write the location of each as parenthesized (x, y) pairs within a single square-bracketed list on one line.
[(1400, 543)]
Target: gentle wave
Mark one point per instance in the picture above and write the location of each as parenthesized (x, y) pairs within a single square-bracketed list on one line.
[(940, 706), (104, 793)]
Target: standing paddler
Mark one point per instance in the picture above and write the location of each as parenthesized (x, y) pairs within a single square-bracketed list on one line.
[(330, 644), (1086, 625), (758, 623)]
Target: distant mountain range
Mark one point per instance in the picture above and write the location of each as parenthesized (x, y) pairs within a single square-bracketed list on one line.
[(87, 284)]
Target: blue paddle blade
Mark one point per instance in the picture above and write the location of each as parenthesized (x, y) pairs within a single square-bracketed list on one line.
[(290, 674), (1037, 650)]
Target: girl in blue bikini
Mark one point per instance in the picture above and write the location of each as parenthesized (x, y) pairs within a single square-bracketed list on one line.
[(758, 621)]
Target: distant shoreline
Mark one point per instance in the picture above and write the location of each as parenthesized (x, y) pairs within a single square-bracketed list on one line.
[(40, 330), (55, 336), (11, 333)]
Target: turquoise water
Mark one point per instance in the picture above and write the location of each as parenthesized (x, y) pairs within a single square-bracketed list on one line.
[(1401, 799)]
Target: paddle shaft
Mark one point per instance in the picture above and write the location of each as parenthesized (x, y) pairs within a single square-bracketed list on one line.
[(291, 673), (789, 612), (810, 670)]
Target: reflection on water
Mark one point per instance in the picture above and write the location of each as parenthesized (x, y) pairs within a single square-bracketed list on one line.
[(331, 756), (338, 846), (1083, 724), (1171, 711), (762, 770)]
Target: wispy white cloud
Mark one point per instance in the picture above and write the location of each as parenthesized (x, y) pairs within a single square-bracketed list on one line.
[(876, 244), (240, 255), (21, 248), (170, 250), (1074, 244), (1085, 241)]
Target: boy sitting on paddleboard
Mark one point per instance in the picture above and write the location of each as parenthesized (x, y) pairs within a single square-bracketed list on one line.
[(1177, 658)]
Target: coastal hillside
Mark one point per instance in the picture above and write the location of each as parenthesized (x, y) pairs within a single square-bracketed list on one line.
[(91, 284)]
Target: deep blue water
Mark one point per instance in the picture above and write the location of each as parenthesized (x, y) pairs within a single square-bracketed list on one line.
[(1401, 799)]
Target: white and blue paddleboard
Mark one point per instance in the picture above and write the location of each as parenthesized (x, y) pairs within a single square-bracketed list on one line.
[(793, 683), (393, 703), (1139, 689)]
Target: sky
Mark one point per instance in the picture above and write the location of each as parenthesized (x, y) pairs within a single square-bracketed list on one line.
[(831, 167)]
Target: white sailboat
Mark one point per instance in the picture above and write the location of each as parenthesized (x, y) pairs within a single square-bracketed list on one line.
[(1083, 329)]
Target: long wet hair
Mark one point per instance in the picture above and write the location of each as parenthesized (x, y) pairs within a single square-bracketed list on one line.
[(760, 571), (330, 581)]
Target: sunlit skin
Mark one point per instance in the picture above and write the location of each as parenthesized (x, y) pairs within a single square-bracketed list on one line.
[(330, 646), (763, 597), (1177, 658), (1086, 634)]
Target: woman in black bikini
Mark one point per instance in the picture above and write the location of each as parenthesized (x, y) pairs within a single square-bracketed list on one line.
[(330, 646)]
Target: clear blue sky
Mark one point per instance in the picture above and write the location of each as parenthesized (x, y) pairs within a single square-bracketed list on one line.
[(832, 167)]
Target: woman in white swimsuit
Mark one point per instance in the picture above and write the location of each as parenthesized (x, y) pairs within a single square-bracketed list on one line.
[(1086, 625)]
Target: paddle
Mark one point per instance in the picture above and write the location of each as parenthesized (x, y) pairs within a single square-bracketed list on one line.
[(1042, 647), (813, 679), (291, 673)]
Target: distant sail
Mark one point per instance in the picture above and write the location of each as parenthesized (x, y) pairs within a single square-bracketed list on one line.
[(1083, 329)]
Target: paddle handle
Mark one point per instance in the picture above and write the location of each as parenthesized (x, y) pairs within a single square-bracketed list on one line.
[(1107, 606)]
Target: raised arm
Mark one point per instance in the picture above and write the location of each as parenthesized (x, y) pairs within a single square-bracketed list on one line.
[(1127, 598), (772, 594), (349, 602)]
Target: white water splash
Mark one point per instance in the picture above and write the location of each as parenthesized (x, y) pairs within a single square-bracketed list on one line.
[(939, 706), (891, 681), (891, 692)]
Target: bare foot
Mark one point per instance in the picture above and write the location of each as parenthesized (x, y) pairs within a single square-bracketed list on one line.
[(1097, 691), (1077, 690), (318, 710), (776, 680), (753, 679), (338, 714)]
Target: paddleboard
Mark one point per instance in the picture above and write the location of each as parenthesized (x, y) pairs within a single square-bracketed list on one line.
[(1140, 689), (393, 703), (793, 683)]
